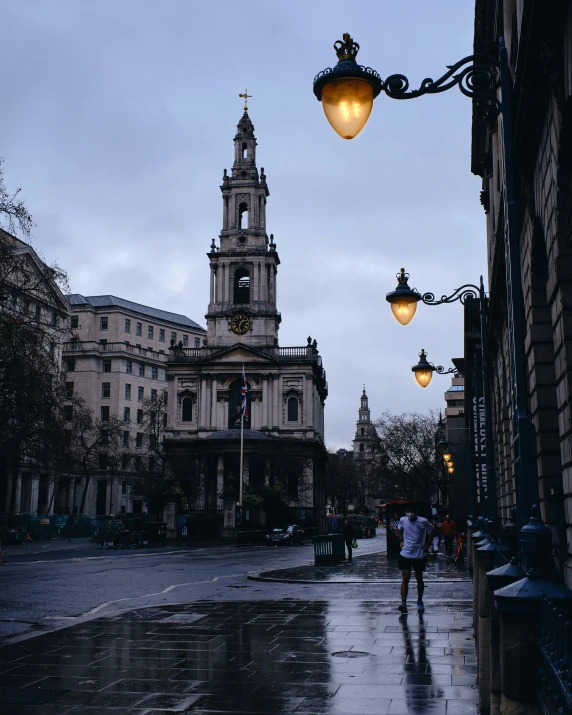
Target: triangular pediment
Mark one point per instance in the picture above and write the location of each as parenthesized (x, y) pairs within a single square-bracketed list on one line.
[(239, 353)]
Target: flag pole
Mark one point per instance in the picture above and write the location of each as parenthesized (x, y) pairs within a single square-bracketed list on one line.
[(241, 448)]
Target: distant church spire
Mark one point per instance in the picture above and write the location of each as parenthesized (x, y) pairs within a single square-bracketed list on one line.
[(364, 427)]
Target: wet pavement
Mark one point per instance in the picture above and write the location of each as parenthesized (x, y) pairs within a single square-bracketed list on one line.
[(372, 568), (288, 655)]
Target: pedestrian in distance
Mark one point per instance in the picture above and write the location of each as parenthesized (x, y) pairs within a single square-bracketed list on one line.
[(350, 535), (449, 530), (415, 537)]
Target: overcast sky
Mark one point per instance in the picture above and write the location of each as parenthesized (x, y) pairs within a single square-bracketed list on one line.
[(117, 121)]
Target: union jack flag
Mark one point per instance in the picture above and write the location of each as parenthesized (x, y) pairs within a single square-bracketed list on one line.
[(244, 392)]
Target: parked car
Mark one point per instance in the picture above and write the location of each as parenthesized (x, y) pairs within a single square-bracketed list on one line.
[(285, 535)]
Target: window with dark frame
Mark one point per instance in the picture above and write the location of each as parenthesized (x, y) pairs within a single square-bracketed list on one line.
[(74, 321), (139, 439), (128, 367), (69, 389), (127, 391), (103, 323), (127, 325), (139, 417), (70, 364), (241, 286), (141, 370), (161, 335), (150, 332), (106, 389), (126, 438), (107, 366), (187, 410), (127, 414), (292, 409), (140, 394), (68, 413), (153, 373), (185, 341), (104, 414), (138, 328)]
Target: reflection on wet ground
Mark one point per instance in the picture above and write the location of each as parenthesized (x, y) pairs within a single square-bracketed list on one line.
[(283, 656), (373, 567)]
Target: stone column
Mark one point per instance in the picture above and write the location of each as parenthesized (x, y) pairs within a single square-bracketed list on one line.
[(307, 486), (52, 486), (309, 402), (214, 404), (71, 495), (34, 494), (220, 482), (202, 402), (9, 488), (275, 402), (212, 297), (18, 493), (267, 471), (264, 401), (208, 395), (225, 413)]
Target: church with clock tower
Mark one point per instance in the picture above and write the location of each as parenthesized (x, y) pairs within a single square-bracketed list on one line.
[(287, 387)]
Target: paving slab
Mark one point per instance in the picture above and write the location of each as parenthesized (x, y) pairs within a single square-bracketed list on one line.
[(274, 656)]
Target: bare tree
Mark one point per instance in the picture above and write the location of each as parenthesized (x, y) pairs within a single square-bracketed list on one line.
[(13, 212), (413, 467), (94, 445)]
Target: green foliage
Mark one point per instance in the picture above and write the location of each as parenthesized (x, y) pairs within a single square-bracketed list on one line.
[(271, 499)]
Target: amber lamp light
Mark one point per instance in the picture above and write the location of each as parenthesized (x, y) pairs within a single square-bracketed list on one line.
[(447, 456), (423, 371), (403, 300), (347, 105), (450, 470), (347, 90)]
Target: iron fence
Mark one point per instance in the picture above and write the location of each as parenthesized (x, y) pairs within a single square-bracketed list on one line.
[(555, 659)]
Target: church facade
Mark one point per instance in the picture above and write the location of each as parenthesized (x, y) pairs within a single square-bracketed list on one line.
[(287, 388)]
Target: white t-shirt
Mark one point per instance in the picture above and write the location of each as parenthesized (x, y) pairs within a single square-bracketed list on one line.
[(414, 535)]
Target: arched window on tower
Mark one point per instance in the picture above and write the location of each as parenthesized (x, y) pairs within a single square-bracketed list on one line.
[(362, 447), (242, 286), (187, 410), (243, 215), (244, 150), (362, 431), (292, 409)]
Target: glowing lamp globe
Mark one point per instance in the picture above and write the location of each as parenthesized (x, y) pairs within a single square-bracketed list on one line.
[(347, 90), (347, 105), (447, 456), (403, 300), (424, 370)]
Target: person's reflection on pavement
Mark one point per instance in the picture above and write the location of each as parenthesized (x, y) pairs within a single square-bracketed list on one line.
[(417, 668)]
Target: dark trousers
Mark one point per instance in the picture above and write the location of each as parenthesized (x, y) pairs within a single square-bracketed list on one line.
[(449, 544), (349, 545)]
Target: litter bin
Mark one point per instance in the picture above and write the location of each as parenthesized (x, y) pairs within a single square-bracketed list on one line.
[(329, 550)]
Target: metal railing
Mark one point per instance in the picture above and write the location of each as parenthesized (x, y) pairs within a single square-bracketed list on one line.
[(556, 659)]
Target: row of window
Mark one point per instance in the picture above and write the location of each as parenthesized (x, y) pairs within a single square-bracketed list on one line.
[(106, 392), (141, 369), (104, 325), (126, 462), (292, 409), (25, 308)]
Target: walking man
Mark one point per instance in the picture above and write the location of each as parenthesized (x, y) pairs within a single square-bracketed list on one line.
[(349, 534), (448, 529), (415, 537)]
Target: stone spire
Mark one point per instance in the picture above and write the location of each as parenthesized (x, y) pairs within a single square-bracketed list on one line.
[(364, 428), (242, 305)]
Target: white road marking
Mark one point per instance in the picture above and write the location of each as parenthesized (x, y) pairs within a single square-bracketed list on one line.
[(150, 595)]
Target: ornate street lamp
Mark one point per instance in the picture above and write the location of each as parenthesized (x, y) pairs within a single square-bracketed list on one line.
[(403, 300), (347, 90), (424, 370), (447, 456)]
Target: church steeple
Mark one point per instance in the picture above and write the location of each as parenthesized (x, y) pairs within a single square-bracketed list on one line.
[(244, 265), (364, 428)]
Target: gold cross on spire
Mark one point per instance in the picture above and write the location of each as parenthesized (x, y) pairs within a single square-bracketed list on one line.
[(246, 97)]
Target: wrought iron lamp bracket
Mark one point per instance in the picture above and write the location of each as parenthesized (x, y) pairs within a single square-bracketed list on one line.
[(477, 76), (441, 370), (462, 294)]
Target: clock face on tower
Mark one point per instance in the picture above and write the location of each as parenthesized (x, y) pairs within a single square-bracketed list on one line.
[(240, 324)]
